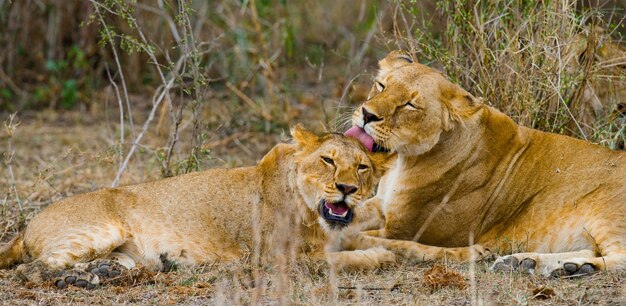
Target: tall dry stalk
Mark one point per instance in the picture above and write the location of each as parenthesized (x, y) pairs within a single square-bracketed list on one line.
[(9, 126), (541, 62), (188, 60)]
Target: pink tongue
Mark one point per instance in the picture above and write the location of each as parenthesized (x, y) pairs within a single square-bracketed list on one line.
[(359, 134), (336, 209)]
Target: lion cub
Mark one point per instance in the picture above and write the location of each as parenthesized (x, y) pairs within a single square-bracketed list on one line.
[(204, 217)]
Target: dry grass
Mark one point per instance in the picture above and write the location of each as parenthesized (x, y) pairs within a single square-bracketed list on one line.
[(233, 284), (550, 65), (439, 277)]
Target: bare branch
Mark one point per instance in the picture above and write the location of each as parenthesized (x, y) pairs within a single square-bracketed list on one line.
[(10, 127)]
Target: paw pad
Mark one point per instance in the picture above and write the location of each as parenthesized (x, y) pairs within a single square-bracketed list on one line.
[(61, 284), (528, 266), (77, 278), (586, 269), (572, 269), (511, 263), (70, 279), (105, 269), (508, 263)]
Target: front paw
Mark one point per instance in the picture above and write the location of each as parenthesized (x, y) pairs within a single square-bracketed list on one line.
[(77, 278), (569, 267)]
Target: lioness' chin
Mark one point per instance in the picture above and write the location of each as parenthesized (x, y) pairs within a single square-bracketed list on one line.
[(336, 215)]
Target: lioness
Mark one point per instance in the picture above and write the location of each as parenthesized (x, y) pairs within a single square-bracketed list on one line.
[(210, 216), (466, 171)]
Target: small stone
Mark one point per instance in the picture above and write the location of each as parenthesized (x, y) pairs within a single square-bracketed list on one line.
[(91, 286)]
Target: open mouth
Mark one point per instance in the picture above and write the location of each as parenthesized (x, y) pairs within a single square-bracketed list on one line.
[(379, 148), (364, 138), (336, 214)]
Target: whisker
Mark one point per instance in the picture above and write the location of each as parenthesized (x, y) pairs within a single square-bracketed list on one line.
[(342, 121)]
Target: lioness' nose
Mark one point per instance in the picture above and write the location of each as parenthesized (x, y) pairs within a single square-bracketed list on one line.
[(346, 189), (369, 117)]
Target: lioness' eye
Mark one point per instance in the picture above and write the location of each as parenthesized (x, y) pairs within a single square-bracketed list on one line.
[(379, 86), (411, 106), (362, 167), (328, 160)]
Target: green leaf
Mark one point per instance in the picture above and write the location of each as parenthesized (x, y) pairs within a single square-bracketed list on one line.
[(69, 94), (6, 93)]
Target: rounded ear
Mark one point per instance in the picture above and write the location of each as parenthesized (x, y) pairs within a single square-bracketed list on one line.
[(457, 104), (304, 138), (382, 162), (395, 59)]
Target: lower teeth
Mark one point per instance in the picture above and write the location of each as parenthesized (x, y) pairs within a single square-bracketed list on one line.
[(330, 211)]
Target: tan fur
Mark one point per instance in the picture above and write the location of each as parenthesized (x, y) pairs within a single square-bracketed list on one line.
[(213, 216), (465, 172), (12, 251)]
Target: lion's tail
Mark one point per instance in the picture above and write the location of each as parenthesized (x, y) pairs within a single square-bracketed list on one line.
[(12, 252)]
